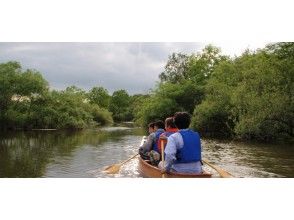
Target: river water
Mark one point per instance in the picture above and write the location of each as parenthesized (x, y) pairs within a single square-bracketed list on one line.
[(86, 153)]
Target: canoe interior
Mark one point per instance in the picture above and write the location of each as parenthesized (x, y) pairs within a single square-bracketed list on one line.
[(147, 170)]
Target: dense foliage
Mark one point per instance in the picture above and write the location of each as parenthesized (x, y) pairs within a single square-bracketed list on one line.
[(27, 103), (182, 85), (248, 97)]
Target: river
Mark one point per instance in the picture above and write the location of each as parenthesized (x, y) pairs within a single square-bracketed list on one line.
[(65, 154)]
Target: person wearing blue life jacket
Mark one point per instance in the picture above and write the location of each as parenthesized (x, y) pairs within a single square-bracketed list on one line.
[(183, 148), (159, 129), (149, 149)]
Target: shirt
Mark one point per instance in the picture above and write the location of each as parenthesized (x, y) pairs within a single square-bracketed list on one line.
[(164, 140), (147, 146)]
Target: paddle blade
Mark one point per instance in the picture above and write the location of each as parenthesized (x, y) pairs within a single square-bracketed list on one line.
[(222, 173), (225, 174), (113, 169)]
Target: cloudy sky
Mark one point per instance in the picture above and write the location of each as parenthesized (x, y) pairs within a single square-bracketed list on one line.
[(131, 66)]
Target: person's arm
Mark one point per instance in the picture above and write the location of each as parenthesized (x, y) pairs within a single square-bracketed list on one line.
[(147, 146)]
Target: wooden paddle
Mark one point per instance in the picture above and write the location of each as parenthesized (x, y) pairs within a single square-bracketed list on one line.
[(222, 173), (113, 169), (162, 156)]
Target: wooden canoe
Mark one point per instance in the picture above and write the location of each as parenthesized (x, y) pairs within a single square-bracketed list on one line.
[(147, 170)]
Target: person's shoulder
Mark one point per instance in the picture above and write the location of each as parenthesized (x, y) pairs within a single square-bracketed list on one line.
[(174, 135), (152, 135), (175, 139)]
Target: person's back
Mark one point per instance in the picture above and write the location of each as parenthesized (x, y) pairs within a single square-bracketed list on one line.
[(183, 149), (191, 150)]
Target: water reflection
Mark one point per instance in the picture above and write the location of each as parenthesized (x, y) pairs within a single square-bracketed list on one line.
[(251, 159), (63, 153), (86, 153)]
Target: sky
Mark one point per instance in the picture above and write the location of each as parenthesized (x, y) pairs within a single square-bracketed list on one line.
[(134, 67)]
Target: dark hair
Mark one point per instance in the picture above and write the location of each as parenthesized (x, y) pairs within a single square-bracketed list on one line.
[(159, 124), (169, 122), (182, 120), (151, 125)]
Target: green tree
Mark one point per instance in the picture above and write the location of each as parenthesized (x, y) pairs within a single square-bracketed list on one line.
[(68, 109), (18, 89), (213, 115), (99, 96), (197, 67), (136, 102), (119, 105), (156, 108), (175, 69), (182, 84), (251, 96)]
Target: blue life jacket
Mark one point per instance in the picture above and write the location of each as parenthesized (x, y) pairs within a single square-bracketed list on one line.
[(191, 151), (155, 143)]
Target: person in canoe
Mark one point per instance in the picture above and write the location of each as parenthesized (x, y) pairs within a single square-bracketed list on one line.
[(183, 148), (170, 128), (149, 150)]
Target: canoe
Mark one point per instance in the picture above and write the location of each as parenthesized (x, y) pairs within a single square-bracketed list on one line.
[(147, 170)]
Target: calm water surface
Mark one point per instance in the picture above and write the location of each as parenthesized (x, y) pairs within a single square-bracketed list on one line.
[(86, 153)]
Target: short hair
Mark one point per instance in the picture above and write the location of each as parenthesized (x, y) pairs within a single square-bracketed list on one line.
[(159, 124), (151, 125), (169, 122), (182, 120)]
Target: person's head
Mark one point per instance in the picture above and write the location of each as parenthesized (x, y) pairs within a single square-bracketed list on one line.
[(158, 124), (169, 123), (151, 127), (182, 120)]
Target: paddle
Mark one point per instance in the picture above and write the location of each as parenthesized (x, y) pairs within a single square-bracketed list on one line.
[(113, 169), (162, 156), (222, 173)]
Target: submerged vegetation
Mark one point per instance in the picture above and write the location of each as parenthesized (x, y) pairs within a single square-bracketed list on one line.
[(247, 97)]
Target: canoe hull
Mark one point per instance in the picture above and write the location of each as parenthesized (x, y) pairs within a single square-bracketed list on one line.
[(150, 171)]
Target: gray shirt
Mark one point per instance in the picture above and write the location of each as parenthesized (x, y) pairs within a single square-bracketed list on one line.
[(147, 146)]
